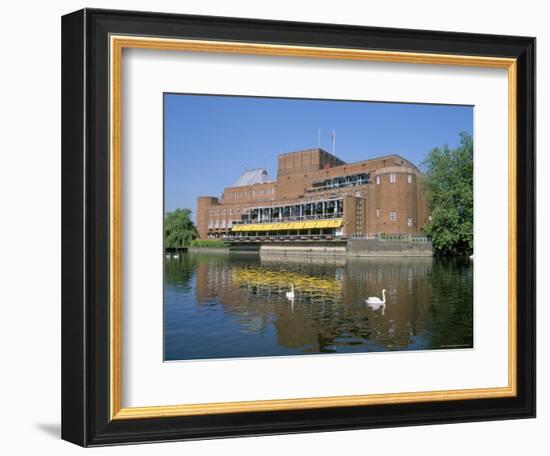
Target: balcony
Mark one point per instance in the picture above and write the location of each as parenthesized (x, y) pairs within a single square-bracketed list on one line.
[(303, 218), (285, 238), (340, 182)]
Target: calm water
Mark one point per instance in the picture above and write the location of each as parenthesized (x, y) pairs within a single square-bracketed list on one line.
[(235, 305)]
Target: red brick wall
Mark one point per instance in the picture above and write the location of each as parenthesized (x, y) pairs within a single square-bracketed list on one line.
[(297, 172)]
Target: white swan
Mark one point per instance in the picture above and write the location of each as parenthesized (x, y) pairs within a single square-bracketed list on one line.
[(290, 294), (376, 303)]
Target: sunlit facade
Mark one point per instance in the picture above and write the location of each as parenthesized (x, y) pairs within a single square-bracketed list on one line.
[(317, 196)]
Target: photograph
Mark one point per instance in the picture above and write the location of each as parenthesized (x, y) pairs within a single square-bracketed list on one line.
[(316, 226), (285, 223)]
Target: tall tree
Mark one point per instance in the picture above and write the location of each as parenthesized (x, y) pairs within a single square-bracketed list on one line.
[(448, 184), (179, 229)]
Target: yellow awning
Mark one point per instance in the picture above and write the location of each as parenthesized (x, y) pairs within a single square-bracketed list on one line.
[(333, 223), (284, 226)]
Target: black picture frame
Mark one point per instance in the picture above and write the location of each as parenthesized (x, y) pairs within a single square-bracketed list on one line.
[(85, 227)]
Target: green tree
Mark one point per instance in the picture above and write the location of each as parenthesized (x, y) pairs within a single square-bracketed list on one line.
[(448, 185), (179, 230)]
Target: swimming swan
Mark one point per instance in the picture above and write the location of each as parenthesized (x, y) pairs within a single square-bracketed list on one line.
[(290, 294), (376, 303)]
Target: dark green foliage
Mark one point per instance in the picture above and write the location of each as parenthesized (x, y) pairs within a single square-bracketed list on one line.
[(449, 190), (209, 243), (449, 323), (179, 230)]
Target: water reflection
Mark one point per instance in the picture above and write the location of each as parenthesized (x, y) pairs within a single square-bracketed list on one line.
[(236, 305)]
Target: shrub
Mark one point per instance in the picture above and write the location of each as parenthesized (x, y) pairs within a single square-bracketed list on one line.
[(209, 243)]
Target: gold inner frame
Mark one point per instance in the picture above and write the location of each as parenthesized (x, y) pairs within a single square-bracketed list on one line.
[(117, 44)]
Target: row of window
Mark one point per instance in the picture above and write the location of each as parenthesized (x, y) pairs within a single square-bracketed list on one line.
[(220, 224), (246, 194), (229, 223), (393, 217), (223, 211), (342, 181), (393, 178)]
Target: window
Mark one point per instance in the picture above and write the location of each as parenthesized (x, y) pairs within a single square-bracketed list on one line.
[(217, 225), (377, 180), (392, 178), (212, 212), (409, 221), (237, 211), (223, 223), (393, 216), (409, 178), (229, 223), (230, 211), (377, 213), (223, 212), (218, 212), (210, 224)]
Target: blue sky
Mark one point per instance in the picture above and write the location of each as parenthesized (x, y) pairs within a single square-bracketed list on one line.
[(210, 140)]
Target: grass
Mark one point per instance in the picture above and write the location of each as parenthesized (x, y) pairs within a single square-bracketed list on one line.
[(209, 243)]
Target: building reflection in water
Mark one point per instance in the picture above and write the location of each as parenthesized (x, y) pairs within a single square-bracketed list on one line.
[(428, 304)]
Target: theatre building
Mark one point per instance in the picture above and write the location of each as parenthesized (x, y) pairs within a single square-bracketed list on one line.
[(318, 196)]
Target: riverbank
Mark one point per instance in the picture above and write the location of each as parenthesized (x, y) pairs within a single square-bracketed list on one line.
[(377, 248), (208, 249), (350, 248)]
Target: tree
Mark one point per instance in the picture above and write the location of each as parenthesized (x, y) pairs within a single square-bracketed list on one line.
[(448, 185), (179, 230)]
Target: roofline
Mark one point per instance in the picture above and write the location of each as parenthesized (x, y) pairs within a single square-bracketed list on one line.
[(250, 185), (382, 157), (308, 150)]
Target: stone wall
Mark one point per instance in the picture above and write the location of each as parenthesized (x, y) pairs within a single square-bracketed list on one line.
[(306, 249), (375, 247), (353, 248)]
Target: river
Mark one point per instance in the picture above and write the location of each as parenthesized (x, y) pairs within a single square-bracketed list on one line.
[(235, 305)]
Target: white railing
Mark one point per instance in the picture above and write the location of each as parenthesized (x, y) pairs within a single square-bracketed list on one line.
[(298, 218), (284, 238), (338, 186), (391, 237)]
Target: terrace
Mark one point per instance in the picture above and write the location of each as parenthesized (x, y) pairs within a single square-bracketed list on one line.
[(303, 212), (340, 182)]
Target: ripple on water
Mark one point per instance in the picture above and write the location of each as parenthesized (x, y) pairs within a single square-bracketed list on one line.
[(236, 306)]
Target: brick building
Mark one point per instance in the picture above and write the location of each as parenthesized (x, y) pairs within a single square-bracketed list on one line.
[(318, 195)]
